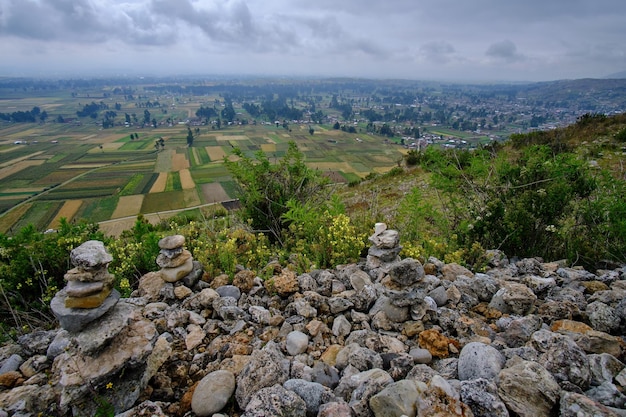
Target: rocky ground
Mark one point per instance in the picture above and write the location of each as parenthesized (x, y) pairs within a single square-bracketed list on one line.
[(385, 337)]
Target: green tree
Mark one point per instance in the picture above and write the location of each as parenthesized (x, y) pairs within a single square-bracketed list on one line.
[(266, 187), (189, 136)]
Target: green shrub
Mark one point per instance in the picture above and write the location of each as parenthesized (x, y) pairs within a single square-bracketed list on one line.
[(322, 237), (265, 188)]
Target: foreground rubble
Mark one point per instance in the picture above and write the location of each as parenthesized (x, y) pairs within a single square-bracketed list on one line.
[(385, 337)]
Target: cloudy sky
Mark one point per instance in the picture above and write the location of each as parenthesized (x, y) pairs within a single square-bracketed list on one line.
[(461, 40)]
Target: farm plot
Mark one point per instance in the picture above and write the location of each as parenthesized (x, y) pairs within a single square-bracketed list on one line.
[(58, 177), (39, 214), (216, 153), (21, 158), (164, 160), (129, 205), (191, 197), (185, 179), (179, 162), (159, 184), (9, 219), (156, 202), (107, 147), (234, 137), (98, 209), (67, 211), (213, 193), (9, 170), (331, 166)]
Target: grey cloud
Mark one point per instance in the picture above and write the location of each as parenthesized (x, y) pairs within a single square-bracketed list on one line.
[(505, 50), (437, 51)]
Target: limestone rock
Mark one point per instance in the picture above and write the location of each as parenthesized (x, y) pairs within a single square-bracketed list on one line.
[(441, 399), (312, 393), (150, 286), (28, 400), (145, 409), (451, 271), (73, 320), (122, 362), (87, 301), (182, 292), (604, 367), (406, 272), (435, 342), (562, 357), (195, 336), (172, 242), (369, 383), (286, 283), (177, 273), (478, 360), (602, 317), (482, 398), (528, 389), (90, 255), (296, 343), (212, 393), (607, 394), (244, 280), (514, 298), (266, 368), (335, 409), (275, 401), (164, 260), (397, 399), (573, 405), (385, 239)]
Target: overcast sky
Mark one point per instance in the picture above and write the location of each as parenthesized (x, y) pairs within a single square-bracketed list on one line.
[(461, 40)]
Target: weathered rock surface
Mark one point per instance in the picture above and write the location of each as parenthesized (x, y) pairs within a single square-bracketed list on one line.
[(212, 393), (384, 337)]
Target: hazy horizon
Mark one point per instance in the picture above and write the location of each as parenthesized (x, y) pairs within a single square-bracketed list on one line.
[(443, 40)]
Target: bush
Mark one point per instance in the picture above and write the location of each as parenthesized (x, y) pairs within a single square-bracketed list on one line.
[(265, 188), (322, 237)]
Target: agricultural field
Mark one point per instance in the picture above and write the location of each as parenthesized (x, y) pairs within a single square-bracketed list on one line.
[(72, 167)]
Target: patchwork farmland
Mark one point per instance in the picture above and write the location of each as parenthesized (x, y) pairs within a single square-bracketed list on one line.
[(72, 168)]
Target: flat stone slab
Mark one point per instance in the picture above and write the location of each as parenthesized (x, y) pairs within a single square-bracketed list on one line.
[(75, 319)]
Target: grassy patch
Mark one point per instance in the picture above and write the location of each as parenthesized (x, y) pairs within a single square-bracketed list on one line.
[(156, 202), (147, 183), (39, 215), (131, 185), (9, 219), (97, 210), (173, 182)]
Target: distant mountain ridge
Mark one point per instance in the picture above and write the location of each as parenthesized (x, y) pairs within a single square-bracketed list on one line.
[(617, 75)]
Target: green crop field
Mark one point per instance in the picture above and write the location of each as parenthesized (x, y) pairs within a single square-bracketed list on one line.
[(45, 164)]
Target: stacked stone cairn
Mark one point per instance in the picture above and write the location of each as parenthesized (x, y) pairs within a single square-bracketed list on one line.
[(89, 293), (175, 261), (385, 246), (384, 337)]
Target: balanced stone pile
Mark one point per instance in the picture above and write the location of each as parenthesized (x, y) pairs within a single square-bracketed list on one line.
[(384, 337), (385, 246), (175, 261), (89, 293)]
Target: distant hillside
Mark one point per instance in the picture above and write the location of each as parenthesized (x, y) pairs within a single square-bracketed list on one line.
[(621, 74), (579, 90)]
